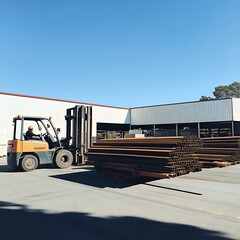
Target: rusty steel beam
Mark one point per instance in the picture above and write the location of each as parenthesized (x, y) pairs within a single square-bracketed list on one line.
[(153, 156)]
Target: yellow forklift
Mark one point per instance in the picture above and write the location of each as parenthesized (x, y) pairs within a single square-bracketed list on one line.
[(46, 147)]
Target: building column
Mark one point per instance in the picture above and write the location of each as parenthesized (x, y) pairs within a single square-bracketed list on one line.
[(176, 129), (233, 128), (199, 128)]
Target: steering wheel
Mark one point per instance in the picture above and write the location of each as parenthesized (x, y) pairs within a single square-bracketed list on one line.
[(44, 134)]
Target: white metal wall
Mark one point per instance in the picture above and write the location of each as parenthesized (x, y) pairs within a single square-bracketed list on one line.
[(11, 106), (236, 109), (207, 111), (109, 115)]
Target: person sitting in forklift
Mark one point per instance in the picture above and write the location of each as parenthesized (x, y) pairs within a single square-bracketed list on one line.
[(30, 134)]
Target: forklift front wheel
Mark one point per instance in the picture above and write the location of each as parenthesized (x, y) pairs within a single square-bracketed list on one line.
[(63, 158), (29, 163)]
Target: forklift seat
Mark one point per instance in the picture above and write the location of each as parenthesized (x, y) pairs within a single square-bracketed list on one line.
[(25, 137)]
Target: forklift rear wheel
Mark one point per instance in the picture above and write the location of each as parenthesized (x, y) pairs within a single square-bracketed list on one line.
[(63, 159), (29, 163)]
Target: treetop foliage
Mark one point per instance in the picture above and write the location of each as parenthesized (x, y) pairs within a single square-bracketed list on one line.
[(224, 91)]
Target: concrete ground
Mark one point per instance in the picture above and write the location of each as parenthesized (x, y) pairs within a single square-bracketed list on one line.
[(78, 202)]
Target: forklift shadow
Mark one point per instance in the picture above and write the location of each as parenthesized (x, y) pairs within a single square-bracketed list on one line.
[(94, 179), (7, 169), (10, 169)]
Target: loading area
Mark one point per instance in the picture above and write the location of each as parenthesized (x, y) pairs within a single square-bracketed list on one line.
[(79, 202)]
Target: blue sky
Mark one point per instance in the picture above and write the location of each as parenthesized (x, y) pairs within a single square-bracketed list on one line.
[(124, 53)]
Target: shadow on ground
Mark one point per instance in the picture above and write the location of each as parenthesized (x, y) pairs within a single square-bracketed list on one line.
[(9, 169), (19, 222), (6, 168), (94, 179)]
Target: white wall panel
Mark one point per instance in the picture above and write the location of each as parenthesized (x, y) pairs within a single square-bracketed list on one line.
[(109, 115), (207, 111), (236, 109)]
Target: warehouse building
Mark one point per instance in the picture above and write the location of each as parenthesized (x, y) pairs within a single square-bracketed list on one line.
[(202, 119)]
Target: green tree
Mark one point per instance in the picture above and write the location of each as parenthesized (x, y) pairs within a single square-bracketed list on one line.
[(235, 89), (205, 98), (224, 91), (221, 92)]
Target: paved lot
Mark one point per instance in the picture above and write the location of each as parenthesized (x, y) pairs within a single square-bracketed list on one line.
[(78, 202)]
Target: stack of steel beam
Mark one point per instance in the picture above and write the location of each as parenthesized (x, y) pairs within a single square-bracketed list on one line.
[(159, 157), (219, 152)]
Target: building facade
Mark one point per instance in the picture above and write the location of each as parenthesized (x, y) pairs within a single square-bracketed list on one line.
[(202, 119)]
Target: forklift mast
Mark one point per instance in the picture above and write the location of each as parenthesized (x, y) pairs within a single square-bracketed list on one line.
[(79, 131)]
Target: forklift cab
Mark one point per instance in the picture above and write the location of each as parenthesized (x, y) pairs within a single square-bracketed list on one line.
[(42, 127)]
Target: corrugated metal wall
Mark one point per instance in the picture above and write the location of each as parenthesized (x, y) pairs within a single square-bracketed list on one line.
[(12, 106), (208, 111)]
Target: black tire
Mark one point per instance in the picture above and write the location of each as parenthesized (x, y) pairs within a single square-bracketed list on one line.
[(63, 158), (29, 163)]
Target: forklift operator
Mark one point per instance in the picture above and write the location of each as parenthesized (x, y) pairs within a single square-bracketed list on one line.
[(30, 134)]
